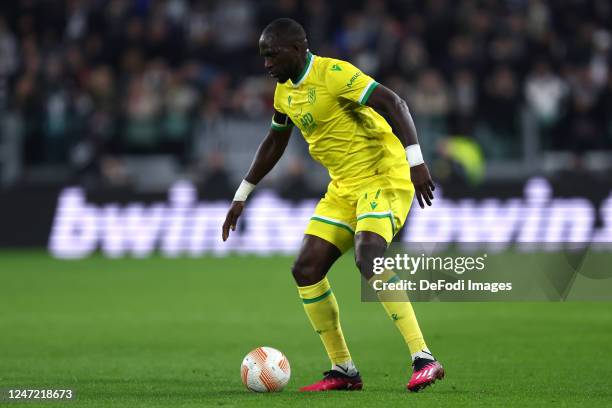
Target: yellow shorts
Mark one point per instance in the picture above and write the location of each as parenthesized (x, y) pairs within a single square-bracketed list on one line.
[(378, 204)]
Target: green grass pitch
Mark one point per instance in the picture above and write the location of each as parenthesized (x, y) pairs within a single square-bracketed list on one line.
[(172, 333)]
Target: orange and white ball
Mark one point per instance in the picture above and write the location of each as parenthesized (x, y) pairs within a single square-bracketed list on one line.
[(265, 369)]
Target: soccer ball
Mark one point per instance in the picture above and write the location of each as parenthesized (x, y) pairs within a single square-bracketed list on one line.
[(265, 369)]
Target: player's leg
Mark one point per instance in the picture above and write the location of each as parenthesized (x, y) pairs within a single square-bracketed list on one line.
[(309, 271), (314, 260), (368, 246), (374, 231), (328, 235)]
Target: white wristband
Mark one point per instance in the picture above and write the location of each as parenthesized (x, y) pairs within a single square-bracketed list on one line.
[(414, 155), (243, 191)]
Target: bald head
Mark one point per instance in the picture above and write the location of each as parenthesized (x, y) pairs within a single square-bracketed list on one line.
[(284, 47), (285, 31)]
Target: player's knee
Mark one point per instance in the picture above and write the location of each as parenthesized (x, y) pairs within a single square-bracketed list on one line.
[(364, 262), (368, 247), (306, 273)]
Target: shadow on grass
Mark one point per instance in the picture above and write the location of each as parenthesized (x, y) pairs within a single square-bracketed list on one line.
[(222, 393)]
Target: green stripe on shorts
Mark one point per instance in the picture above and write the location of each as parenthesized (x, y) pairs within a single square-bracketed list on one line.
[(332, 222), (383, 215)]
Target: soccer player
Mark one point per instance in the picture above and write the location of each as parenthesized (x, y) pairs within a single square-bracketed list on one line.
[(374, 177)]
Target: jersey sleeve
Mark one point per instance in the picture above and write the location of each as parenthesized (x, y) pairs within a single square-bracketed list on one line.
[(344, 80), (280, 120)]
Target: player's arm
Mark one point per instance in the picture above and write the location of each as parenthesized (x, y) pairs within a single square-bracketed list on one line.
[(384, 100), (268, 154)]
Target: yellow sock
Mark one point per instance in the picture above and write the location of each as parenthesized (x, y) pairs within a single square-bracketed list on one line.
[(322, 310), (399, 309)]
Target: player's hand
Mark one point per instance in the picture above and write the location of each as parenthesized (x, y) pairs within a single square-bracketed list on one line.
[(231, 218), (423, 184)]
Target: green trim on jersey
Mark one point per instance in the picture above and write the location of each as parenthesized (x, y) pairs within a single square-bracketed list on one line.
[(307, 67), (333, 222), (367, 92)]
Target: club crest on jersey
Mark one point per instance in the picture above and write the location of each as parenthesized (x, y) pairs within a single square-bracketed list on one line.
[(312, 95)]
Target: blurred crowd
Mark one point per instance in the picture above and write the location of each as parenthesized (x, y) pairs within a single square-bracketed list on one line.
[(85, 81)]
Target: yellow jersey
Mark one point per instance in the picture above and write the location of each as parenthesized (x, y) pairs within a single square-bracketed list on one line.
[(327, 103)]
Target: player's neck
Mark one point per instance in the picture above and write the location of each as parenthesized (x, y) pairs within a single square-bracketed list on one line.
[(302, 67)]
